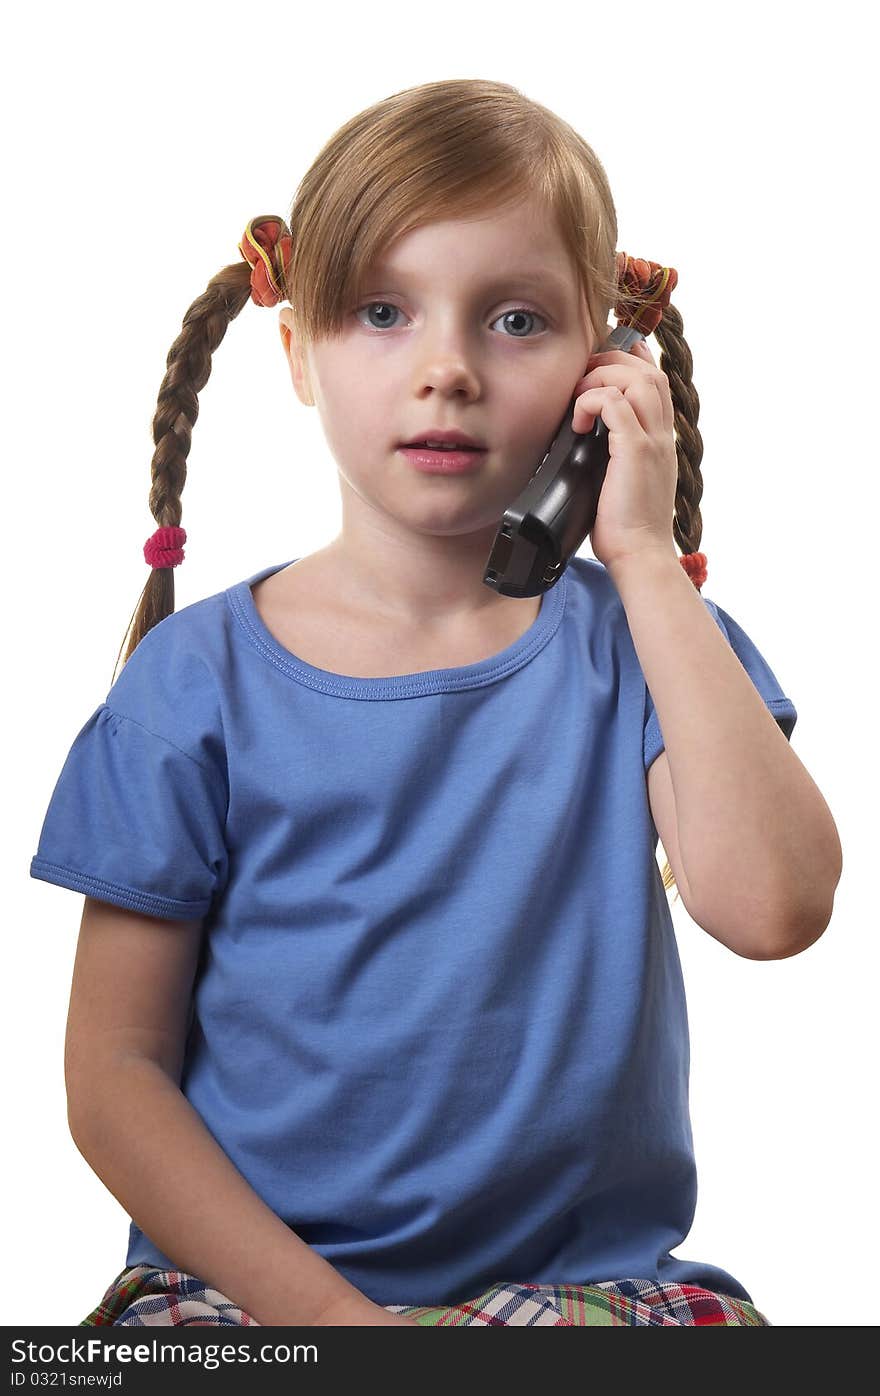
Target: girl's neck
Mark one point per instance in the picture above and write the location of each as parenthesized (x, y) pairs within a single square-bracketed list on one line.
[(421, 581)]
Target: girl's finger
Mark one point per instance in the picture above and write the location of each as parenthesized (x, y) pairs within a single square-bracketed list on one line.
[(662, 384), (616, 371), (644, 395), (617, 412)]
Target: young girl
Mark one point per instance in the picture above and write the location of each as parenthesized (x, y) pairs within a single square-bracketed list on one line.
[(377, 1015)]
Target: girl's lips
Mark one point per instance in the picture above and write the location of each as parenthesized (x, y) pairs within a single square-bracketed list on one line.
[(434, 462)]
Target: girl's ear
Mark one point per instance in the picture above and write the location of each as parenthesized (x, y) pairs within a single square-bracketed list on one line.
[(296, 359)]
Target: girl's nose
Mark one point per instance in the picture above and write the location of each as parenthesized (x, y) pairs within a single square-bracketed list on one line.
[(448, 375)]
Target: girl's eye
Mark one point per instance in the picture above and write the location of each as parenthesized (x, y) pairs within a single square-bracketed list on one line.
[(384, 305), (515, 315)]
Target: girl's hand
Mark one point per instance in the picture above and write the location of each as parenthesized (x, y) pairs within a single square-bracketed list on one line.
[(637, 503)]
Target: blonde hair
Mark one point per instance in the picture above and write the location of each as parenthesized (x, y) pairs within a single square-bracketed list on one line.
[(456, 148)]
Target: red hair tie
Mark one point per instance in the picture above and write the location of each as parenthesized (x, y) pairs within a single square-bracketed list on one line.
[(266, 244), (643, 292), (695, 566)]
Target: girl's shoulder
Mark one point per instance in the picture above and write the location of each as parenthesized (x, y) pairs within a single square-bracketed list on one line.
[(172, 682)]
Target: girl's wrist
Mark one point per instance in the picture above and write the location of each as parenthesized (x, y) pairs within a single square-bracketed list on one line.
[(355, 1311), (650, 555)]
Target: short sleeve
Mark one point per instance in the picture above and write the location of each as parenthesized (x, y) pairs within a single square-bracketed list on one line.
[(756, 667), (138, 813)]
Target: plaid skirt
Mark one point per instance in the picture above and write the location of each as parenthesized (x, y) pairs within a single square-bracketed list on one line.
[(142, 1295)]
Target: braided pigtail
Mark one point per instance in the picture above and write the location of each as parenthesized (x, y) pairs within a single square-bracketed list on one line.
[(643, 302), (188, 370), (676, 362)]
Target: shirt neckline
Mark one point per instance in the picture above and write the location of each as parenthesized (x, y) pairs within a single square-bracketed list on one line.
[(430, 681)]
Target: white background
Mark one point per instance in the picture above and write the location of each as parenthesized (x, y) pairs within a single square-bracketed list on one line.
[(738, 141)]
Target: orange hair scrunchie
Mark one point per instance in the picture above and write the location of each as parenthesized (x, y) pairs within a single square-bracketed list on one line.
[(266, 244)]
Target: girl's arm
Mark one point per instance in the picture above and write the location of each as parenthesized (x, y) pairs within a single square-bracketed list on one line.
[(755, 838), (126, 1033)]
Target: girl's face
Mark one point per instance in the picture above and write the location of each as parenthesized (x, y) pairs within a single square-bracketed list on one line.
[(474, 324)]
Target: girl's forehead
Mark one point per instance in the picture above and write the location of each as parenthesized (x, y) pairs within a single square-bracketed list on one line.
[(527, 225), (482, 247)]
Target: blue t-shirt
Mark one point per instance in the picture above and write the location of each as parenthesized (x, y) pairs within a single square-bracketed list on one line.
[(439, 1019)]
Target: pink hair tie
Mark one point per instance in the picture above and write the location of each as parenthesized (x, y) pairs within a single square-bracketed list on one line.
[(165, 547)]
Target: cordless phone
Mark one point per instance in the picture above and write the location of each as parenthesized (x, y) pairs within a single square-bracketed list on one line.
[(546, 524)]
